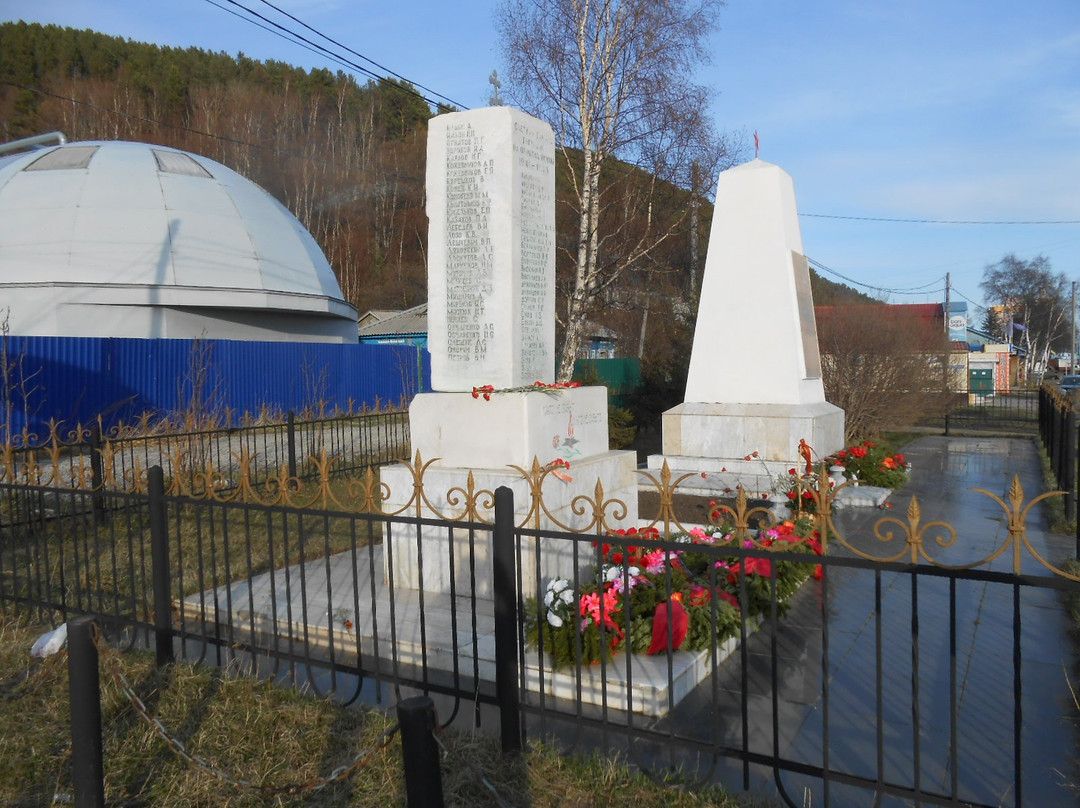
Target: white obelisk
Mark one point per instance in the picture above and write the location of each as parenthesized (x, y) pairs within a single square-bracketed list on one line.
[(754, 384)]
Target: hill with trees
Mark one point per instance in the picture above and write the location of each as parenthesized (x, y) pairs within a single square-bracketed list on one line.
[(348, 159)]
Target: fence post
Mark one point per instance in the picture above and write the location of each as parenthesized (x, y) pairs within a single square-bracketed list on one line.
[(87, 762), (290, 431), (1076, 448), (97, 475), (1044, 408), (504, 587), (1056, 454), (159, 560), (420, 753), (1068, 479)]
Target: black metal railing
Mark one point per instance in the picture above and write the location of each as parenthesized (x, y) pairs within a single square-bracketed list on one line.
[(257, 453), (1058, 432), (858, 684), (1014, 412)]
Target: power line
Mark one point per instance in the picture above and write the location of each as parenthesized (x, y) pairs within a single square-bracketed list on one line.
[(299, 39), (361, 56), (934, 221), (916, 290), (969, 300)]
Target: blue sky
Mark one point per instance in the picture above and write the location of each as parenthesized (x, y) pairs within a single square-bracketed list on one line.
[(889, 109)]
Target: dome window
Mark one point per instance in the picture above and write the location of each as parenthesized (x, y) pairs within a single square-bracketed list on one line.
[(178, 163), (64, 158)]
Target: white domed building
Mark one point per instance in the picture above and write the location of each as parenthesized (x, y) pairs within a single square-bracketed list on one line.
[(114, 239)]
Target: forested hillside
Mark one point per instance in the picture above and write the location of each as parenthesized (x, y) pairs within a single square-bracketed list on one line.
[(346, 158)]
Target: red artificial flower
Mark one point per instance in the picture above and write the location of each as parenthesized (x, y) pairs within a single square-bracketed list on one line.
[(703, 475), (818, 573), (730, 598), (675, 613), (753, 566), (747, 457), (753, 454), (792, 472)]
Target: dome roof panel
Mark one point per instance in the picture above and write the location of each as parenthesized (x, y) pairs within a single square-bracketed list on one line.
[(279, 238), (122, 178), (193, 194), (100, 229), (42, 190)]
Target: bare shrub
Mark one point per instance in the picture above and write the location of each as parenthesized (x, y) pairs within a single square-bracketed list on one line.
[(883, 365)]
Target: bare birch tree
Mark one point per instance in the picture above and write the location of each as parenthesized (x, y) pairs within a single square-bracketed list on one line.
[(1034, 305), (614, 78)]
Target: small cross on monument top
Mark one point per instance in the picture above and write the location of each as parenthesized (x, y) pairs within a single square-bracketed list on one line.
[(757, 144), (493, 80)]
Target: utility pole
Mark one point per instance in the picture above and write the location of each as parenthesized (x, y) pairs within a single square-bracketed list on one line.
[(1072, 342), (948, 312)]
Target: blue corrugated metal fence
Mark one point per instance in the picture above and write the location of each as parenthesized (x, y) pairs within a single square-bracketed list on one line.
[(79, 379)]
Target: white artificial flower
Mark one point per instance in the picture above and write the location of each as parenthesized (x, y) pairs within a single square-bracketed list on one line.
[(554, 619)]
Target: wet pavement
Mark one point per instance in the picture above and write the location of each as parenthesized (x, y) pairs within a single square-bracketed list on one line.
[(884, 689)]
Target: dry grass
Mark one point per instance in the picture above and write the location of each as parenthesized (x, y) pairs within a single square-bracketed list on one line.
[(268, 734)]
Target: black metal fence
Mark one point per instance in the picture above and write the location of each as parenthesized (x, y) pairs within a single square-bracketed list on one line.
[(1000, 413), (855, 687), (1057, 429), (258, 452)]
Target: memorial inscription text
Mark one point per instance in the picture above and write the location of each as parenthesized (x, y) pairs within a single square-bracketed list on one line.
[(470, 265)]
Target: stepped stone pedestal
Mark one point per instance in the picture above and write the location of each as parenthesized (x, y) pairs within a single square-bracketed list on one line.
[(487, 439)]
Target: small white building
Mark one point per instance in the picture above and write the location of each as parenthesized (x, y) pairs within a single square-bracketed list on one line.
[(115, 239)]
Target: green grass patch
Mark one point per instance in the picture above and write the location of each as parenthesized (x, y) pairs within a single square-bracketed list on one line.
[(1053, 507)]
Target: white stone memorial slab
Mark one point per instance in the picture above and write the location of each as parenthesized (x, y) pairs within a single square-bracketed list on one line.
[(491, 249)]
